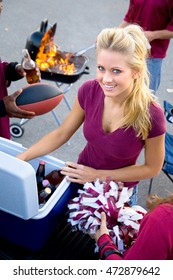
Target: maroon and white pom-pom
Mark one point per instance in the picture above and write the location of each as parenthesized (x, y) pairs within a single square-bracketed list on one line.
[(112, 198)]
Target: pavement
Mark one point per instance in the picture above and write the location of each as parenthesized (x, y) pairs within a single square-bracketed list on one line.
[(78, 23)]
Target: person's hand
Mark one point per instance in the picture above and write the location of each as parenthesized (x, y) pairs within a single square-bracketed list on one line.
[(78, 173), (103, 228), (150, 35), (38, 71), (13, 110), (19, 69), (21, 156)]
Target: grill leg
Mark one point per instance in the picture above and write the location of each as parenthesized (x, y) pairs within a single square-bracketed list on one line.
[(67, 103), (58, 121), (150, 186), (56, 117), (65, 90)]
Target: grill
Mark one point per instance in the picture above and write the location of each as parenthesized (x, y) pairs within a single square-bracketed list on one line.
[(53, 73)]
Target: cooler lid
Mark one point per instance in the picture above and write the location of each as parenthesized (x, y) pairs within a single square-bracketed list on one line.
[(18, 187)]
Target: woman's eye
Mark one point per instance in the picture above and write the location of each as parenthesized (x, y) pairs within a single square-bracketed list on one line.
[(117, 71), (100, 68)]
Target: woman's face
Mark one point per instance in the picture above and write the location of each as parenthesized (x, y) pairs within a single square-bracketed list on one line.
[(113, 74)]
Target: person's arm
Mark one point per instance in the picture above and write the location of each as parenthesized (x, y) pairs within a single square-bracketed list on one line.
[(107, 249), (3, 112), (158, 34), (57, 137), (154, 240), (124, 24), (153, 162), (13, 72)]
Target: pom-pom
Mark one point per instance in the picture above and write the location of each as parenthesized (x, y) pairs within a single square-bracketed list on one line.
[(112, 198)]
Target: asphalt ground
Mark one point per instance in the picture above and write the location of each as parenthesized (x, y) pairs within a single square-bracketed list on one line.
[(78, 23)]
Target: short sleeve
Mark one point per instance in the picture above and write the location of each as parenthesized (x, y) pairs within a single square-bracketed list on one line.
[(158, 121), (81, 95), (86, 93)]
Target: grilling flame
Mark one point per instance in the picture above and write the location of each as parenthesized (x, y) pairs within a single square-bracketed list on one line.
[(50, 58)]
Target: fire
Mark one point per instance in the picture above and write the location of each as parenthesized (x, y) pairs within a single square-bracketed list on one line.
[(50, 58)]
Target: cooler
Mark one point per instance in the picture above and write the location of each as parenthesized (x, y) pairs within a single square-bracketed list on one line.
[(21, 220)]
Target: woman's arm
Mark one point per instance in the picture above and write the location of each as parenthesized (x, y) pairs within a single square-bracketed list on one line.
[(153, 161), (154, 153), (57, 137)]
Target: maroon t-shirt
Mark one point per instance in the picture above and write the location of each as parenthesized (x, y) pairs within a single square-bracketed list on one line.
[(120, 148), (4, 121), (155, 237), (152, 15)]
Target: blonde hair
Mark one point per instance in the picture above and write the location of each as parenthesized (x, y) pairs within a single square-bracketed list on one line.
[(154, 200), (132, 43)]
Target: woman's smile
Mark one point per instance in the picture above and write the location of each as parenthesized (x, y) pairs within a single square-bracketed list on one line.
[(113, 73), (109, 87)]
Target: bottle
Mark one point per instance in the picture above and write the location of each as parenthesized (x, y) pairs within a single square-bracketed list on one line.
[(30, 67), (44, 195), (55, 177), (46, 184), (40, 175)]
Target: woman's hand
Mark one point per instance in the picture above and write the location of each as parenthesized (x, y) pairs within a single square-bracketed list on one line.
[(103, 228), (21, 156), (79, 173)]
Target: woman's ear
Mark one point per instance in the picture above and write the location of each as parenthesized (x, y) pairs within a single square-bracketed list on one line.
[(136, 75)]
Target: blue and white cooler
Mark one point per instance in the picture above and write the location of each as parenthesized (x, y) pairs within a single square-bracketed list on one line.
[(21, 220)]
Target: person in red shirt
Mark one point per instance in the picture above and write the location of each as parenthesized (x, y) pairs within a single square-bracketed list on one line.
[(8, 108), (10, 72), (155, 236), (156, 18)]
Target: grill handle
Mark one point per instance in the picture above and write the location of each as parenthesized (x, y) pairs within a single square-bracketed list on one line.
[(43, 26), (85, 50), (86, 70)]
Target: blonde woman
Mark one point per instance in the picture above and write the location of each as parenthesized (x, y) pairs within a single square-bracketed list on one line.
[(119, 114)]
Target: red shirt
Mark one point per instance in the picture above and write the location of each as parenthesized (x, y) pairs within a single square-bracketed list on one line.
[(155, 237), (4, 121), (119, 148), (152, 15)]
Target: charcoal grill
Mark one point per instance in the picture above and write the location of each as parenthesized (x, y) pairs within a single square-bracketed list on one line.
[(80, 61)]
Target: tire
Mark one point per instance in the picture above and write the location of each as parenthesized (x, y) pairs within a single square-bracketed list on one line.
[(16, 130)]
